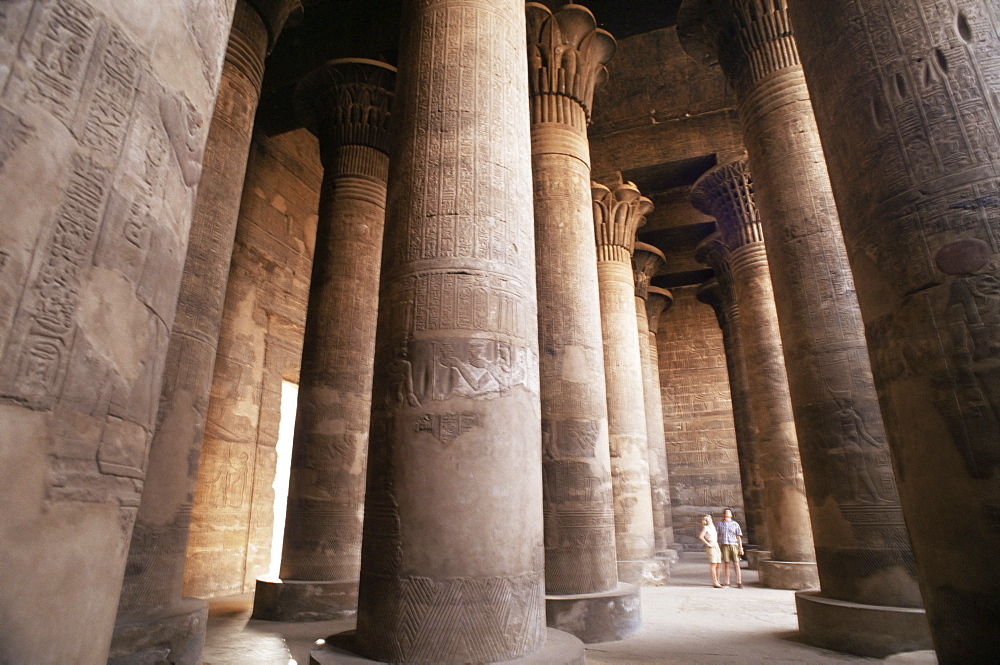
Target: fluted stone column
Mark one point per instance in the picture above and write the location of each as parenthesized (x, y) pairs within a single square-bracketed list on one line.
[(452, 556), (726, 193), (719, 293), (347, 104), (845, 456), (617, 215), (153, 618), (647, 262), (905, 96), (583, 595)]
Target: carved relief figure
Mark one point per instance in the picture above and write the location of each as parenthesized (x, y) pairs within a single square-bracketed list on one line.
[(848, 452), (400, 373)]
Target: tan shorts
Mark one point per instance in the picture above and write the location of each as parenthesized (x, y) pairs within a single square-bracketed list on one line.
[(714, 555), (730, 552)]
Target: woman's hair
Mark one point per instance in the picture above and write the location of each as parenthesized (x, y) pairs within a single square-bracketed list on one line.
[(707, 519)]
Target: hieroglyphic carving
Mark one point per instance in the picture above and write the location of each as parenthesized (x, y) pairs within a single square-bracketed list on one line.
[(446, 427)]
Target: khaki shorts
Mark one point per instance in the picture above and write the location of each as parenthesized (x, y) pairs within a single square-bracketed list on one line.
[(730, 553), (714, 555)]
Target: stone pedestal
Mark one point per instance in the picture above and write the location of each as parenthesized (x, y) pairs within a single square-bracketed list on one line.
[(617, 215), (152, 616), (904, 93), (579, 513), (347, 104), (718, 293), (874, 630), (862, 547), (455, 438), (560, 648), (102, 147), (726, 193), (647, 262)]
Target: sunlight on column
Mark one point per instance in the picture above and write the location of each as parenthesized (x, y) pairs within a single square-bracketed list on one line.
[(286, 430)]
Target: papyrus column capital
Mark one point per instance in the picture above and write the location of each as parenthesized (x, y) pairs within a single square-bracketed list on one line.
[(276, 14), (567, 54), (347, 102), (657, 302), (647, 263), (748, 38), (618, 214), (726, 193)]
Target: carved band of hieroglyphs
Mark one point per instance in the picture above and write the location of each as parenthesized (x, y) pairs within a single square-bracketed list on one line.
[(439, 369), (474, 619), (575, 482), (446, 427), (34, 363)]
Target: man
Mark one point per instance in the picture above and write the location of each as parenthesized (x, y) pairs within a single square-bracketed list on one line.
[(731, 543)]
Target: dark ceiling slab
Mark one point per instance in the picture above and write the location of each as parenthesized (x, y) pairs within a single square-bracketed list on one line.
[(624, 18)]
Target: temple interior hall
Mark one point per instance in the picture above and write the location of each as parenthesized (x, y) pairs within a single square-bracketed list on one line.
[(454, 332)]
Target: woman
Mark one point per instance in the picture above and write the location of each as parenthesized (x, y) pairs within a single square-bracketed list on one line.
[(710, 537)]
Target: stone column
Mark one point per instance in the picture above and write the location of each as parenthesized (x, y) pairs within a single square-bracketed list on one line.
[(726, 193), (584, 596), (153, 617), (617, 215), (647, 262), (905, 96), (346, 103), (719, 293), (100, 156), (845, 456), (452, 555)]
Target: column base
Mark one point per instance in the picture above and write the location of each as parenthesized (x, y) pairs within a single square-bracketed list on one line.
[(645, 572), (608, 616), (177, 635), (304, 600), (671, 554), (794, 575), (876, 631), (560, 649), (754, 557)]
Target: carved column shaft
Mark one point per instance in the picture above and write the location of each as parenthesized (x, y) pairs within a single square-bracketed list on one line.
[(648, 262), (617, 215), (455, 438), (347, 104), (718, 293), (579, 511), (151, 611), (905, 95), (726, 192), (844, 453)]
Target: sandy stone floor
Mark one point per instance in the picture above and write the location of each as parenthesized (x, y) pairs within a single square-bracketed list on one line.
[(687, 621)]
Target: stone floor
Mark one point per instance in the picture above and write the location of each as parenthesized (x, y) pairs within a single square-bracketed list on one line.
[(687, 621)]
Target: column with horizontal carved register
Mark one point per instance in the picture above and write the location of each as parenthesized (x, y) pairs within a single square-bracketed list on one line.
[(618, 213), (347, 104), (719, 293), (905, 94), (845, 456), (648, 262), (726, 193), (152, 614), (452, 563), (567, 54), (101, 153)]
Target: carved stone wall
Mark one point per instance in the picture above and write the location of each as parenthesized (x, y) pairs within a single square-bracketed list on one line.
[(259, 346), (697, 416), (103, 120)]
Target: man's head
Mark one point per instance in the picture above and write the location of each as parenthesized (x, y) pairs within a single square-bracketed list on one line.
[(727, 515)]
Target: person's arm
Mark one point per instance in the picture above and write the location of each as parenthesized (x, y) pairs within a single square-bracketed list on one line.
[(701, 535)]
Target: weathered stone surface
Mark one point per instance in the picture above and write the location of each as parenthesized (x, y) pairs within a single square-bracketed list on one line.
[(455, 438), (597, 617), (905, 98), (697, 417), (647, 262), (153, 576), (347, 104), (726, 191), (103, 120), (259, 346), (617, 215), (718, 293), (862, 548), (579, 510)]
